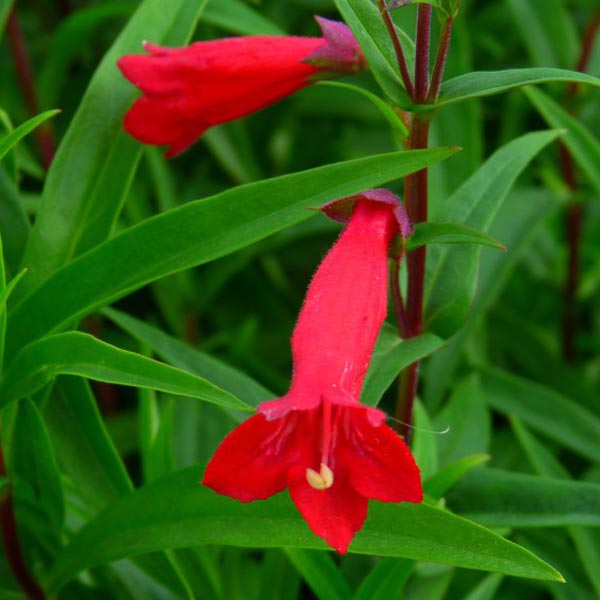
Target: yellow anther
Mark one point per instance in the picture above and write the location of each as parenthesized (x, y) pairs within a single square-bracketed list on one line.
[(321, 480)]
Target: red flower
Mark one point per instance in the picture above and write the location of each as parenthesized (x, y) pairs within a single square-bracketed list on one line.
[(330, 451), (187, 90)]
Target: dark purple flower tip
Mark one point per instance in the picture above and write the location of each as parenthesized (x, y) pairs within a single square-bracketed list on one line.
[(340, 210)]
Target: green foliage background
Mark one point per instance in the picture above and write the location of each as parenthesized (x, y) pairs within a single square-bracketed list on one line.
[(205, 261)]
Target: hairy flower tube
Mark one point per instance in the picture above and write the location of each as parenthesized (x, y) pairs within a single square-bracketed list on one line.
[(187, 90), (333, 453)]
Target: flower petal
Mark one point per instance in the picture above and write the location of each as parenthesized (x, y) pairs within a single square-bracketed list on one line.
[(380, 463), (334, 514), (253, 460)]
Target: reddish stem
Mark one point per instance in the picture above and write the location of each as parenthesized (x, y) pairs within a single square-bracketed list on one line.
[(423, 42), (43, 133), (574, 215), (401, 58), (12, 546), (416, 194), (440, 61)]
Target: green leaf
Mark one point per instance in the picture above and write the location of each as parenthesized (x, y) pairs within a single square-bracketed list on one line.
[(539, 456), (320, 573), (14, 223), (5, 6), (5, 292), (452, 274), (386, 580), (449, 233), (83, 447), (486, 588), (8, 140), (486, 83), (75, 353), (178, 512), (72, 33), (196, 233), (541, 24), (424, 442), (584, 147), (396, 123), (368, 27), (189, 359), (439, 483), (467, 421), (504, 499), (518, 223), (37, 483), (238, 17), (391, 355), (544, 410), (93, 167)]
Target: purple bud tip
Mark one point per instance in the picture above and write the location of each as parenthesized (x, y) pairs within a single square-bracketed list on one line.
[(341, 210)]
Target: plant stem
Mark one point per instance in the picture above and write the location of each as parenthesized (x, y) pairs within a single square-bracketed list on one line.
[(423, 42), (12, 546), (440, 60), (403, 67), (43, 133), (574, 214), (416, 196)]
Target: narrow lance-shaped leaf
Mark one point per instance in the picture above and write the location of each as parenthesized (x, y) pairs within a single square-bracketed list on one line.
[(75, 353), (95, 161), (503, 499), (580, 141), (8, 140), (453, 271), (391, 355), (197, 233), (177, 512), (487, 83)]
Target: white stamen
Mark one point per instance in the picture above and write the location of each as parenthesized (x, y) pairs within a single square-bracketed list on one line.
[(321, 480)]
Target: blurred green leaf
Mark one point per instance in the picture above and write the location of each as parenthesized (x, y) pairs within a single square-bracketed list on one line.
[(466, 421), (8, 140), (391, 355), (499, 498), (14, 223), (238, 17), (321, 573), (92, 170), (75, 353), (196, 233), (185, 357), (424, 442), (177, 512), (5, 6), (396, 123), (452, 277), (580, 141), (386, 580), (449, 233), (541, 24), (439, 483), (73, 33), (37, 487), (487, 83), (544, 410), (486, 588)]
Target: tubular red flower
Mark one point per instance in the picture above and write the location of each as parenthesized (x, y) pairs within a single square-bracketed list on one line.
[(333, 453), (187, 90)]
